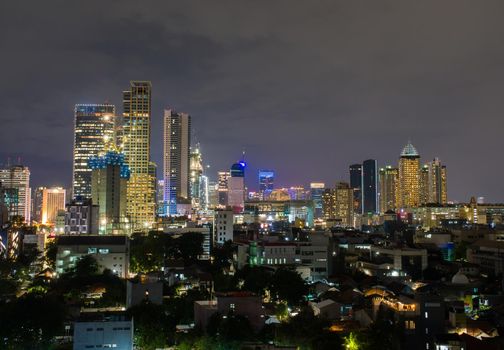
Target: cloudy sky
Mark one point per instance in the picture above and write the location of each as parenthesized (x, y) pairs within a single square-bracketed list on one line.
[(304, 87)]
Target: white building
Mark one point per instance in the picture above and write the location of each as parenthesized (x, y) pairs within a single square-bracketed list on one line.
[(110, 252), (100, 331), (223, 226)]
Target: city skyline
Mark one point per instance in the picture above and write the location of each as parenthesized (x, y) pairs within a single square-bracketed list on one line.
[(354, 96)]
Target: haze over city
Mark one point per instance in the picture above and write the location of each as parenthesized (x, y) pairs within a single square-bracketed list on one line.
[(355, 81)]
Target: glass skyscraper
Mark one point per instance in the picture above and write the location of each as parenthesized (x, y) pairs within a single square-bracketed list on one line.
[(94, 128), (266, 182), (370, 186), (356, 184)]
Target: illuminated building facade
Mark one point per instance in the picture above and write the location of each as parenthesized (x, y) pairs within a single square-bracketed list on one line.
[(109, 180), (236, 187), (222, 188), (356, 184), (266, 182), (424, 185), (136, 133), (15, 181), (94, 127), (338, 204), (196, 173), (176, 158), (53, 200), (409, 178), (36, 214), (370, 186), (389, 182), (316, 192)]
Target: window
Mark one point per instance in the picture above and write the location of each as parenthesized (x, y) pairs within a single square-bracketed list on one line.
[(426, 314)]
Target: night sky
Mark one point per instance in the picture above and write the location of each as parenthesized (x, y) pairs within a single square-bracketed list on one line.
[(304, 87)]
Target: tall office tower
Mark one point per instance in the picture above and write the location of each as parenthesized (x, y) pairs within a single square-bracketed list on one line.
[(370, 186), (437, 182), (316, 192), (160, 205), (222, 188), (204, 192), (236, 187), (176, 158), (53, 200), (389, 182), (36, 214), (141, 196), (424, 189), (213, 194), (93, 129), (356, 184), (266, 182), (109, 179), (409, 178), (196, 172), (15, 180)]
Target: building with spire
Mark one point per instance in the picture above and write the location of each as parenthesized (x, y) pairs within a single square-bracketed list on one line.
[(136, 135), (409, 177), (196, 174)]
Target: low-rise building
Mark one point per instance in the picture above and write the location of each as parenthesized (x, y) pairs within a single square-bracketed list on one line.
[(110, 252), (489, 255), (103, 331)]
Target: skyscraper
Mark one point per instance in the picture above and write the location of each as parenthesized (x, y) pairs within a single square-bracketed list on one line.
[(236, 187), (437, 182), (141, 196), (266, 182), (356, 184), (389, 182), (15, 181), (53, 200), (222, 188), (109, 180), (177, 142), (196, 173), (370, 186), (409, 177), (316, 192), (425, 190), (94, 127), (338, 204)]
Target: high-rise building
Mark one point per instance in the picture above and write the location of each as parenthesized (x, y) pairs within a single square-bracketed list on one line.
[(236, 187), (93, 129), (409, 177), (53, 200), (176, 158), (297, 193), (196, 172), (36, 214), (389, 182), (160, 204), (424, 189), (338, 204), (81, 218), (370, 186), (204, 192), (356, 184), (109, 180), (222, 188), (213, 194), (136, 134), (316, 192), (15, 181), (437, 182), (266, 182)]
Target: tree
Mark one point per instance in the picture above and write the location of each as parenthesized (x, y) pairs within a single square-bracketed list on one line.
[(152, 326), (256, 279), (190, 246), (288, 285)]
